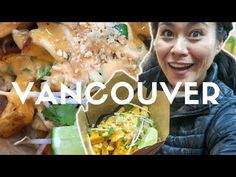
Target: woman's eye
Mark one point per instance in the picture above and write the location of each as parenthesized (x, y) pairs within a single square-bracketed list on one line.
[(196, 34), (167, 33)]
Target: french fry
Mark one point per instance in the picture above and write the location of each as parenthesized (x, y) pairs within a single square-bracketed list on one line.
[(105, 148), (96, 138)]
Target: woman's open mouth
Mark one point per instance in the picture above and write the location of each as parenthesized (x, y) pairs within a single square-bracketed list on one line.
[(180, 67)]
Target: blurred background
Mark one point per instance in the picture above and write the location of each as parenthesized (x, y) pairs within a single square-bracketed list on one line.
[(230, 44)]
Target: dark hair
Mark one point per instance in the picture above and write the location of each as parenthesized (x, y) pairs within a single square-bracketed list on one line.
[(225, 62)]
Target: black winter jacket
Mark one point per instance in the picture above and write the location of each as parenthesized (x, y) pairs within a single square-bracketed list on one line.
[(199, 129)]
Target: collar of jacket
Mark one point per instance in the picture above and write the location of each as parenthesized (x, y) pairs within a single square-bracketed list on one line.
[(156, 75), (198, 109)]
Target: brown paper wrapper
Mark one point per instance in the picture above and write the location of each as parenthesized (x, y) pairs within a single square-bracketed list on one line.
[(160, 111)]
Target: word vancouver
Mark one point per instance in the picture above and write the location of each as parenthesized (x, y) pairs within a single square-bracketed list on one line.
[(46, 95)]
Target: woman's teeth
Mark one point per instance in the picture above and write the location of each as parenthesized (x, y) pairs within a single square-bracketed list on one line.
[(180, 66)]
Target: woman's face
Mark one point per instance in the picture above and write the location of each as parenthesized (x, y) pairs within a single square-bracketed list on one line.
[(185, 51)]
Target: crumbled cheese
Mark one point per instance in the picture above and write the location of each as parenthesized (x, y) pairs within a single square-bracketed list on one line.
[(56, 68), (93, 45), (76, 70), (65, 55), (88, 54), (82, 49), (59, 52)]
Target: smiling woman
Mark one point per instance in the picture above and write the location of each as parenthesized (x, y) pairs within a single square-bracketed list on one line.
[(191, 52), (185, 51)]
